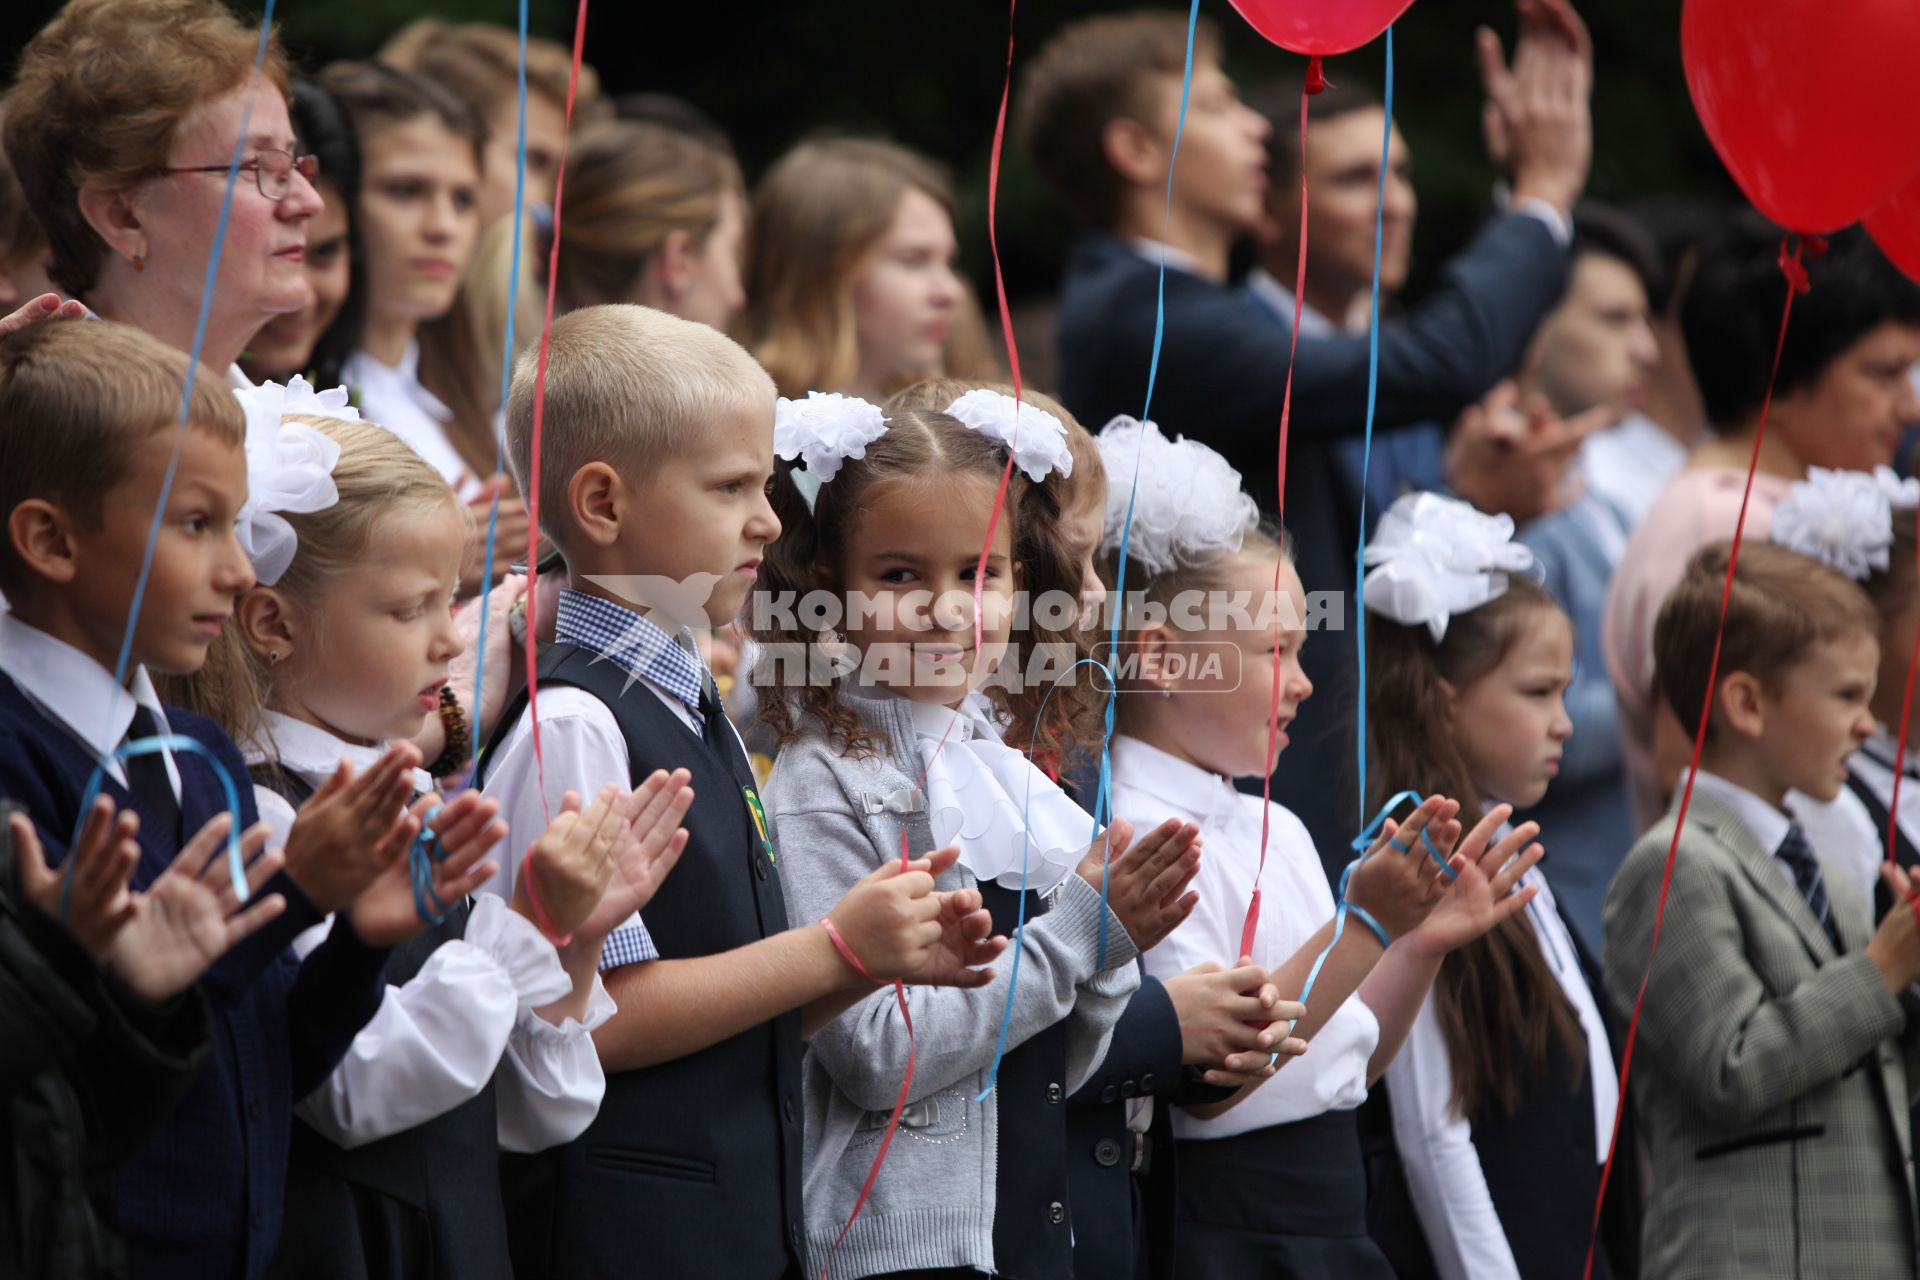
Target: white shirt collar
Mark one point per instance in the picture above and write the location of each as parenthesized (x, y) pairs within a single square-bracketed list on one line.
[(1765, 823), (1013, 824), (313, 753), (1180, 783), (1314, 323), (77, 691)]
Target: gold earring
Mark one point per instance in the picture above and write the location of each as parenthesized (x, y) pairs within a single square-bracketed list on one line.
[(139, 263)]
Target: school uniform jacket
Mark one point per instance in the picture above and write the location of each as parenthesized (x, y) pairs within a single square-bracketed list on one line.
[(1772, 1072)]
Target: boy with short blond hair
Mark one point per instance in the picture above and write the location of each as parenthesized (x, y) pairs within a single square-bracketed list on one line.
[(656, 454), (1778, 1037)]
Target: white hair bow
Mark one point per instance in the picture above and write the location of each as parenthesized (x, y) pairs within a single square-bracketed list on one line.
[(1188, 507), (1036, 439), (1844, 519), (289, 468), (823, 431), (1435, 557)]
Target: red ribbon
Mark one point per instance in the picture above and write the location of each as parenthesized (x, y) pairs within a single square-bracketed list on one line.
[(1794, 269), (1315, 82), (540, 406)]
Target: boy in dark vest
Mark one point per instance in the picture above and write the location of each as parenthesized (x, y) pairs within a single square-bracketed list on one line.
[(655, 454)]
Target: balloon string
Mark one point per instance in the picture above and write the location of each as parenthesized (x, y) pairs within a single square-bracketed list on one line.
[(540, 406), (1102, 801), (1315, 82), (125, 658), (1900, 747), (506, 385), (236, 862), (1791, 250), (1366, 450)]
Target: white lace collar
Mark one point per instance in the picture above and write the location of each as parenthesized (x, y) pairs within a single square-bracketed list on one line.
[(986, 797)]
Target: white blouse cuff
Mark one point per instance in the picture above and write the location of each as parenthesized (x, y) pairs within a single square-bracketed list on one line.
[(518, 947), (538, 1031)]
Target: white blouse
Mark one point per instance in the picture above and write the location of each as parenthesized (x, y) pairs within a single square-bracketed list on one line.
[(989, 799), (436, 1040), (1844, 833), (393, 397), (1149, 786), (1448, 1186)]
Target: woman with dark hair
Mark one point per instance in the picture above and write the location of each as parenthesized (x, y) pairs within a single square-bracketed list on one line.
[(318, 338)]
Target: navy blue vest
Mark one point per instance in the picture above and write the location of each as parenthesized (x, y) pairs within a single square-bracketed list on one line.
[(692, 1167)]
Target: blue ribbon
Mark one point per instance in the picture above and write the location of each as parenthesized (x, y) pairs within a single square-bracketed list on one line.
[(236, 863), (1102, 801), (1366, 454), (1020, 920), (125, 658), (506, 385), (1346, 908), (425, 851)]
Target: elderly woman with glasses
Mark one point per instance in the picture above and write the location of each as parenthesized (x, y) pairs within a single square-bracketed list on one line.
[(122, 124)]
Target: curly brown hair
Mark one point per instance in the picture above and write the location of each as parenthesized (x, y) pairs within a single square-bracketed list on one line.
[(917, 444)]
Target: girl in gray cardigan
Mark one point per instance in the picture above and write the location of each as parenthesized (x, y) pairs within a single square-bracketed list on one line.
[(893, 744)]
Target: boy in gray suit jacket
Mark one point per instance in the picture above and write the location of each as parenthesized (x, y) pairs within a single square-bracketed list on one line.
[(1777, 1035)]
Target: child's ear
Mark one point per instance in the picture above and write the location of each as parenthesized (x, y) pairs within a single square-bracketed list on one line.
[(1152, 644), (1133, 150), (42, 536), (596, 501), (1449, 696), (1740, 705), (269, 624), (115, 220)]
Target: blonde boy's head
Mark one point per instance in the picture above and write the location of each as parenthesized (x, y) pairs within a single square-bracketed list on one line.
[(627, 386)]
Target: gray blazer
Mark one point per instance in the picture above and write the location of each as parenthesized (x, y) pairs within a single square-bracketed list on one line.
[(1771, 1074), (836, 818)]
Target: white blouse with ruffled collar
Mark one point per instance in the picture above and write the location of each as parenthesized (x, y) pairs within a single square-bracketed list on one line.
[(1013, 824)]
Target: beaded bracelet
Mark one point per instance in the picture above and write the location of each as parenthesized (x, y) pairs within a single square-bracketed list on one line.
[(459, 737)]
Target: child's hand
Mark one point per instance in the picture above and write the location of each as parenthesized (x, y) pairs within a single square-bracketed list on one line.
[(1224, 1021), (647, 846), (1895, 947), (891, 918), (1397, 882), (464, 669), (1148, 877), (1484, 894), (967, 940), (98, 903), (186, 919), (384, 915), (566, 869), (350, 830)]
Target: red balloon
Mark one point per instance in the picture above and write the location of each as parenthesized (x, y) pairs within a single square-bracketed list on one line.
[(1320, 27), (1894, 225), (1812, 104)]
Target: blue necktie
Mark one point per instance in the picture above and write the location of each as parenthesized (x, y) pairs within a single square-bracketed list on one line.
[(1799, 857)]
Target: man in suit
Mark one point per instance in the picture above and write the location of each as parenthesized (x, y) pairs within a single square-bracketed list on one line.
[(1778, 1037), (1098, 109)]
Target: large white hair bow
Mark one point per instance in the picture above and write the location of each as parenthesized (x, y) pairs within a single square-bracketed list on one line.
[(823, 431), (1036, 439), (289, 468), (1844, 519), (1188, 507), (1435, 557)]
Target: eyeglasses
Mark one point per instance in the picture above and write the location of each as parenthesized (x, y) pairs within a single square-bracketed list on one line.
[(272, 170)]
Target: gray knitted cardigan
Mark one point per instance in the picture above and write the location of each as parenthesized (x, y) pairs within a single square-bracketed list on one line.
[(835, 819)]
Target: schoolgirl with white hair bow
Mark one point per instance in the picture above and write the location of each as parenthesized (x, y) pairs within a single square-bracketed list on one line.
[(482, 1040), (895, 658), (1271, 1179), (1503, 1098)]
